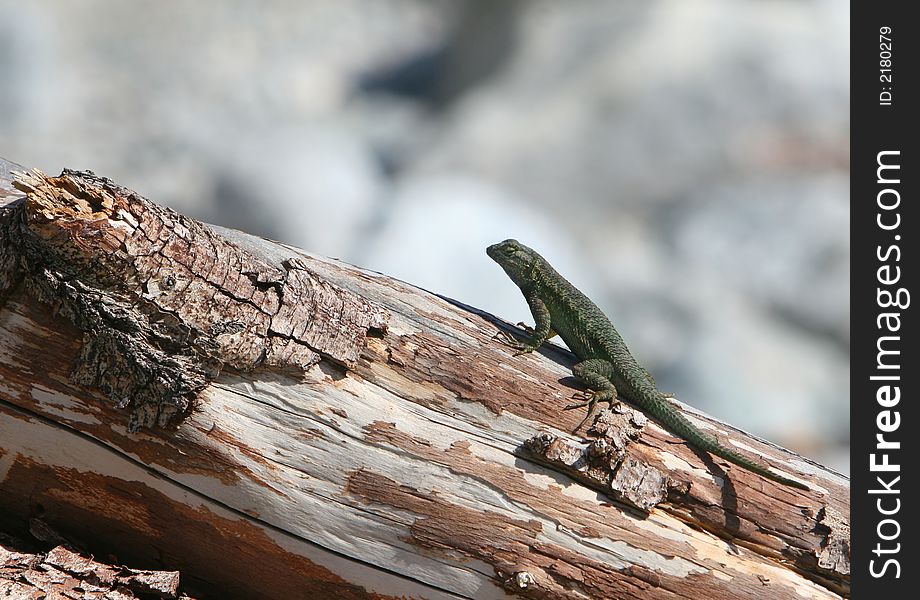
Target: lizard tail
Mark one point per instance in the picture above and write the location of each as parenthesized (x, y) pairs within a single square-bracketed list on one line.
[(677, 424), (720, 450)]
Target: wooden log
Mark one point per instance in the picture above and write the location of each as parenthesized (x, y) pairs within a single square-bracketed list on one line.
[(274, 424)]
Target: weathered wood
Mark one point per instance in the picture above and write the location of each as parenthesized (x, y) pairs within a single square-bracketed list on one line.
[(63, 573), (276, 424)]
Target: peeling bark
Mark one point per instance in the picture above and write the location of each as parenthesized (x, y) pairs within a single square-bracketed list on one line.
[(164, 303), (63, 573), (298, 427)]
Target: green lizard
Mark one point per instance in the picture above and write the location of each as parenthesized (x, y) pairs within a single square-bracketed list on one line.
[(606, 365)]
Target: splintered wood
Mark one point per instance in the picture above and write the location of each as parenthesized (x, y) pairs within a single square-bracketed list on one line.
[(272, 424), (62, 573), (165, 303)]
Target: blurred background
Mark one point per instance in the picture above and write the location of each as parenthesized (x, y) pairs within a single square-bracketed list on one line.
[(685, 163)]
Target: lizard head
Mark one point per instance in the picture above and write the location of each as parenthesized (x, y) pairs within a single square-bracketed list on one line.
[(515, 258)]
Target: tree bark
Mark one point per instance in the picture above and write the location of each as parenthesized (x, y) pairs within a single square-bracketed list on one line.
[(63, 573), (274, 424)]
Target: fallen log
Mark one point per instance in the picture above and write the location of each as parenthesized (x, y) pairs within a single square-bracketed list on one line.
[(274, 424)]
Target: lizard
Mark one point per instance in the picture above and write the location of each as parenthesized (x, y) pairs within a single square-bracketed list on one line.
[(605, 367)]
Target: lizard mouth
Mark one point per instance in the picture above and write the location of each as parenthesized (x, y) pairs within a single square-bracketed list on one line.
[(495, 250)]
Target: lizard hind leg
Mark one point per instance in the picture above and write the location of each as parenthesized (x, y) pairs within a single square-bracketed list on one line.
[(595, 374)]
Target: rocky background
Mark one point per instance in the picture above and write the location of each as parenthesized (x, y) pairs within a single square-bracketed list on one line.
[(685, 163)]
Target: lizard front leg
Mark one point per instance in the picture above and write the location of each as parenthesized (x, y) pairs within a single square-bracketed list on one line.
[(595, 373), (542, 330)]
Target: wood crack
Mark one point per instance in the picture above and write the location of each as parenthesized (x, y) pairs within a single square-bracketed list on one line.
[(164, 303)]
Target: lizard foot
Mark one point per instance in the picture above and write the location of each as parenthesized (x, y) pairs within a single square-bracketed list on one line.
[(525, 327), (508, 340), (590, 398), (520, 347), (587, 399)]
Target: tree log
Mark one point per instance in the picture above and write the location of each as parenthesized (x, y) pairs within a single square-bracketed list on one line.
[(273, 424)]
